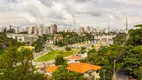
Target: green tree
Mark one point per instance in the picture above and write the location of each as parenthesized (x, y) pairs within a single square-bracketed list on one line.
[(119, 39), (17, 65), (59, 60), (68, 48)]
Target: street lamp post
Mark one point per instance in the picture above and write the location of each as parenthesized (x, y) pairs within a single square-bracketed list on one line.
[(114, 72), (104, 74)]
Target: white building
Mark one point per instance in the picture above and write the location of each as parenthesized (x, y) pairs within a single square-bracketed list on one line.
[(41, 29), (23, 37), (29, 30)]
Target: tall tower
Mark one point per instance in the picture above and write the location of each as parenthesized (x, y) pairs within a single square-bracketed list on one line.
[(126, 24), (108, 27)]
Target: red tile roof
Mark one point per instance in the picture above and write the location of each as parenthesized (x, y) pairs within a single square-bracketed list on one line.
[(82, 67), (74, 58), (52, 68)]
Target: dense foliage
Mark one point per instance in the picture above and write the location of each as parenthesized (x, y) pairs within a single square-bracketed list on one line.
[(119, 39), (72, 38), (127, 58), (40, 43), (6, 42), (59, 60), (15, 64), (63, 74)]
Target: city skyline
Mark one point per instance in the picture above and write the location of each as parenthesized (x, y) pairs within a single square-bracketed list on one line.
[(71, 13)]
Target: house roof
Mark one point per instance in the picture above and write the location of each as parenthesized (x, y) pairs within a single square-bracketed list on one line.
[(82, 67), (52, 68), (74, 58)]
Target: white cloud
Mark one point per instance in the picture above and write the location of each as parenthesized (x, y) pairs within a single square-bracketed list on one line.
[(70, 13)]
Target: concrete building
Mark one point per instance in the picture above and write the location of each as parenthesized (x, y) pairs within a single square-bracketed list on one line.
[(89, 29), (23, 37), (35, 30), (41, 29), (53, 29), (81, 30), (74, 59), (17, 29), (29, 30)]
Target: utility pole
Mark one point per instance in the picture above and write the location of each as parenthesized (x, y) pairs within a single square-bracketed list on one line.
[(114, 72), (104, 74)]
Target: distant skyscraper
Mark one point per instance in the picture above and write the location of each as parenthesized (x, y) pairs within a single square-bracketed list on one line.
[(54, 29), (41, 29), (17, 30), (81, 30), (88, 29), (35, 29), (29, 30), (10, 27), (126, 24), (108, 27), (48, 29)]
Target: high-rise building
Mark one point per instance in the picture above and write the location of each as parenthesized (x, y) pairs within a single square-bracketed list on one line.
[(54, 29), (48, 28), (29, 30), (126, 24), (17, 29), (88, 29), (41, 29), (35, 30), (108, 27), (81, 30)]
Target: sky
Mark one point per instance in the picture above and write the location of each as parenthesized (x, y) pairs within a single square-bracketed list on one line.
[(71, 13)]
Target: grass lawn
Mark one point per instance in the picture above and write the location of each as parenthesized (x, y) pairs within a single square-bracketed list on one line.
[(52, 55)]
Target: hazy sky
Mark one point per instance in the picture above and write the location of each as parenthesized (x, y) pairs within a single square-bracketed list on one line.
[(71, 13)]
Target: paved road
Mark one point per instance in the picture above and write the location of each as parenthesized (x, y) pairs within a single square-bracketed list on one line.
[(122, 77)]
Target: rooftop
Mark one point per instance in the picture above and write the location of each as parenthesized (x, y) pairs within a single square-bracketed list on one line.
[(52, 68), (82, 67), (74, 58)]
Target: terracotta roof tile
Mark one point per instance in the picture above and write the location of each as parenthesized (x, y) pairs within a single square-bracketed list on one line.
[(74, 58), (52, 68), (82, 67)]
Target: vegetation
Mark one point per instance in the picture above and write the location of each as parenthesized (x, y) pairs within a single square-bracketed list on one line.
[(119, 39), (125, 57), (6, 42), (63, 74), (68, 48), (59, 60), (72, 38), (39, 44), (83, 50), (53, 54), (14, 64)]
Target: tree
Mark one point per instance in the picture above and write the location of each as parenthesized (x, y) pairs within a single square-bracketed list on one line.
[(83, 50), (17, 65), (40, 43), (135, 37), (68, 48), (120, 38), (63, 74), (59, 60), (138, 25)]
